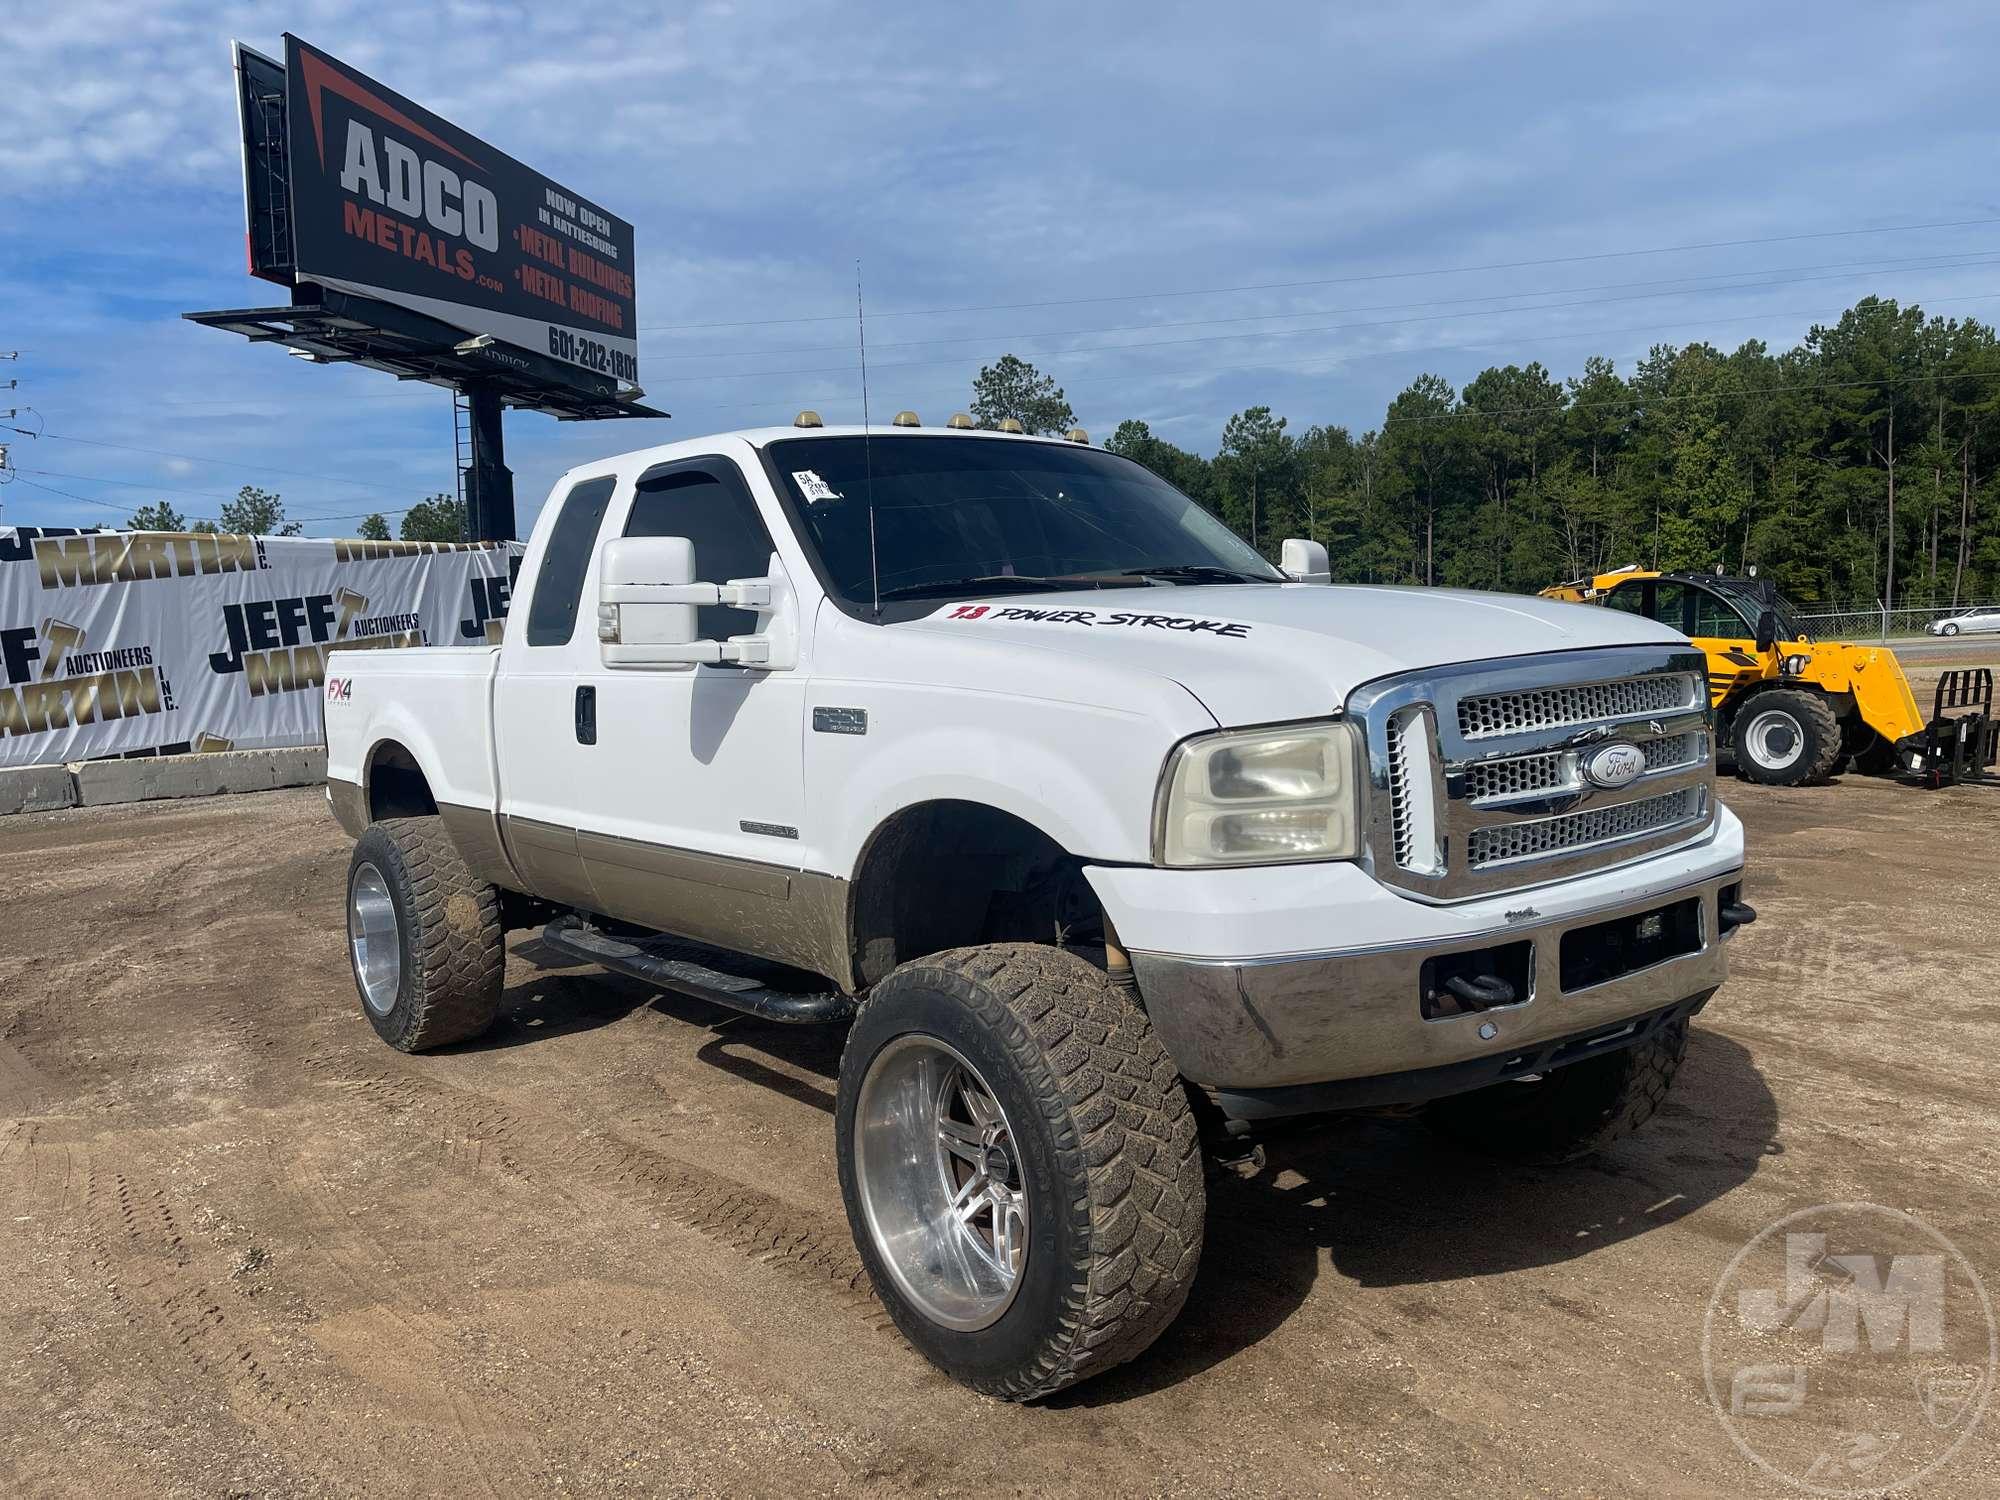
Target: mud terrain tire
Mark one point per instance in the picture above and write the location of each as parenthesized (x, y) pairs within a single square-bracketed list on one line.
[(1100, 1141), (447, 938)]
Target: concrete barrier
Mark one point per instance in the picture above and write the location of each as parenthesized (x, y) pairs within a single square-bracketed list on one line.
[(25, 789), (144, 778)]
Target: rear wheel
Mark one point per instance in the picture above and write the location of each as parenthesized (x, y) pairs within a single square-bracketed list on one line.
[(424, 936), (1020, 1167), (1571, 1111), (1784, 737)]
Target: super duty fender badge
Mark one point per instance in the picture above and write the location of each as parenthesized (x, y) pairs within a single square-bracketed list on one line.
[(1131, 619), (840, 720)]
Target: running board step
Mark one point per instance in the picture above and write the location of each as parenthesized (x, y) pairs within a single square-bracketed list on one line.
[(640, 960)]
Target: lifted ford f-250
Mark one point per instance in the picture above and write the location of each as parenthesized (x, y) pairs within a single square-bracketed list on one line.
[(1097, 830)]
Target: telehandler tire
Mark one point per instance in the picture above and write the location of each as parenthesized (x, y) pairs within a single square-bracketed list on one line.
[(424, 936), (1020, 1166), (1785, 737)]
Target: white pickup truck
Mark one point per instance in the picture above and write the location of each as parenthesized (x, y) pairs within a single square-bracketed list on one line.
[(1103, 835)]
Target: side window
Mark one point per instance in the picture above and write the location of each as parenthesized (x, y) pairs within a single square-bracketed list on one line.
[(730, 540), (1630, 597), (1670, 602), (1717, 619), (552, 612)]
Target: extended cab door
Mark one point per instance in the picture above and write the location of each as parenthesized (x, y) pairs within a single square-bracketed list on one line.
[(682, 791)]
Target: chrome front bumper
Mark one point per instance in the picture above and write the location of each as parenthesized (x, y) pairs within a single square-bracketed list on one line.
[(1245, 1026)]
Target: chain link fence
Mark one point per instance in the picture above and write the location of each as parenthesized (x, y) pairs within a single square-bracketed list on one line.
[(1871, 622)]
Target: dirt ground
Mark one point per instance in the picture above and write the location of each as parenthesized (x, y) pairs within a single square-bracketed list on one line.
[(249, 1250)]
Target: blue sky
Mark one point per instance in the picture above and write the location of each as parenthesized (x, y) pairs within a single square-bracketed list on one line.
[(1089, 176)]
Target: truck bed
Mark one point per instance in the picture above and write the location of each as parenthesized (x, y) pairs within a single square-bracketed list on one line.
[(434, 701)]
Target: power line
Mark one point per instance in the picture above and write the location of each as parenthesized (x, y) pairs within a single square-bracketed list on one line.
[(1324, 359), (1675, 285), (1274, 333), (203, 458), (132, 484), (127, 509), (1280, 286), (50, 489)]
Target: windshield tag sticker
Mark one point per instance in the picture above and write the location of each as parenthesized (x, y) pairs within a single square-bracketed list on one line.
[(814, 488), (1095, 617)]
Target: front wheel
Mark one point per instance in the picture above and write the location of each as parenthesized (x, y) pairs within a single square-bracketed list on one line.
[(1020, 1166), (1949, 630), (1785, 737)]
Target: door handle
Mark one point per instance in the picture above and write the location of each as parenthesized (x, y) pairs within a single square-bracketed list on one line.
[(586, 716)]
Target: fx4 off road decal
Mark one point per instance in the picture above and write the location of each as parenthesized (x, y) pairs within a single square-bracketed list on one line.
[(1133, 619)]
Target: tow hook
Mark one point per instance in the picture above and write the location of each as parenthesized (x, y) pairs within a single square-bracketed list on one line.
[(1485, 991), (1736, 914)]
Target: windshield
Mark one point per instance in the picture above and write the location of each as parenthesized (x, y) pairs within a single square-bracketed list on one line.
[(971, 515), (1753, 604)]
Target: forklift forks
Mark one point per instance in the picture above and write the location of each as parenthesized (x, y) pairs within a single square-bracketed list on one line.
[(1957, 745)]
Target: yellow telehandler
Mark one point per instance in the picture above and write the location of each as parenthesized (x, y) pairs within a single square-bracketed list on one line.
[(1793, 709)]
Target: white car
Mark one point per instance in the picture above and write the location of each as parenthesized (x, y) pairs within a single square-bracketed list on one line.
[(1986, 617), (1098, 832)]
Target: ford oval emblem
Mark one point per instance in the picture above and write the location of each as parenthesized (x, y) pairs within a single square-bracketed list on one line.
[(1614, 765)]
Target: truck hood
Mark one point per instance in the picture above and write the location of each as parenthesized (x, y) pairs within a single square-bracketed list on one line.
[(1259, 654)]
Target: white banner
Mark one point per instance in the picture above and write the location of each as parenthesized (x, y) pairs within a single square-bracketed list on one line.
[(159, 642)]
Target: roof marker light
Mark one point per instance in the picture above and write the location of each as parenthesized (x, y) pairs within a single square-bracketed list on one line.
[(907, 419), (959, 421), (807, 419)]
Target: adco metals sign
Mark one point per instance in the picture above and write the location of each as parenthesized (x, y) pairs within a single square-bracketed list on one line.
[(389, 201)]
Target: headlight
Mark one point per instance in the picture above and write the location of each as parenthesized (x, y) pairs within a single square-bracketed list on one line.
[(1261, 797)]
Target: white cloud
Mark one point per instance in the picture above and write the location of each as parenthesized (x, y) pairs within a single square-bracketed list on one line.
[(1051, 154)]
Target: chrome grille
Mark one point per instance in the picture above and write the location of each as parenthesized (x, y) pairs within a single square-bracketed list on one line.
[(1461, 811), (1557, 708), (1399, 787), (1521, 776), (1582, 830), (1674, 751)]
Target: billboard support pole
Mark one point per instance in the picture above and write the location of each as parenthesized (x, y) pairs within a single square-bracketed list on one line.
[(489, 488)]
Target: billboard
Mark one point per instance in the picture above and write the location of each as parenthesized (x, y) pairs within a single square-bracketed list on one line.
[(384, 199), (160, 642)]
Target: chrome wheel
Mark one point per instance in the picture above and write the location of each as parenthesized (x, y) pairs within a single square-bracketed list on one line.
[(377, 943), (941, 1183), (1774, 739)]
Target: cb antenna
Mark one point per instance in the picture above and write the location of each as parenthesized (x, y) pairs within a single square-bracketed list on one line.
[(867, 442)]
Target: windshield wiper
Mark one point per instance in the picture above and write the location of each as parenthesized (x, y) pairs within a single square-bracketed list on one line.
[(1200, 573), (992, 583)]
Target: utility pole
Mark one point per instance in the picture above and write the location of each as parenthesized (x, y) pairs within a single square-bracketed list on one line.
[(6, 464)]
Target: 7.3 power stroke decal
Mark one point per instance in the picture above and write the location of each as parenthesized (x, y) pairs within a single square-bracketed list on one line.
[(1112, 618)]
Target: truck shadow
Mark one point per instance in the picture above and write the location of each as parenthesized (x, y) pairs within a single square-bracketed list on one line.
[(1385, 1203), (566, 997), (1381, 1202)]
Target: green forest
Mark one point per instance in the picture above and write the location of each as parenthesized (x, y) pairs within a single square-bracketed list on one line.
[(1862, 465)]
